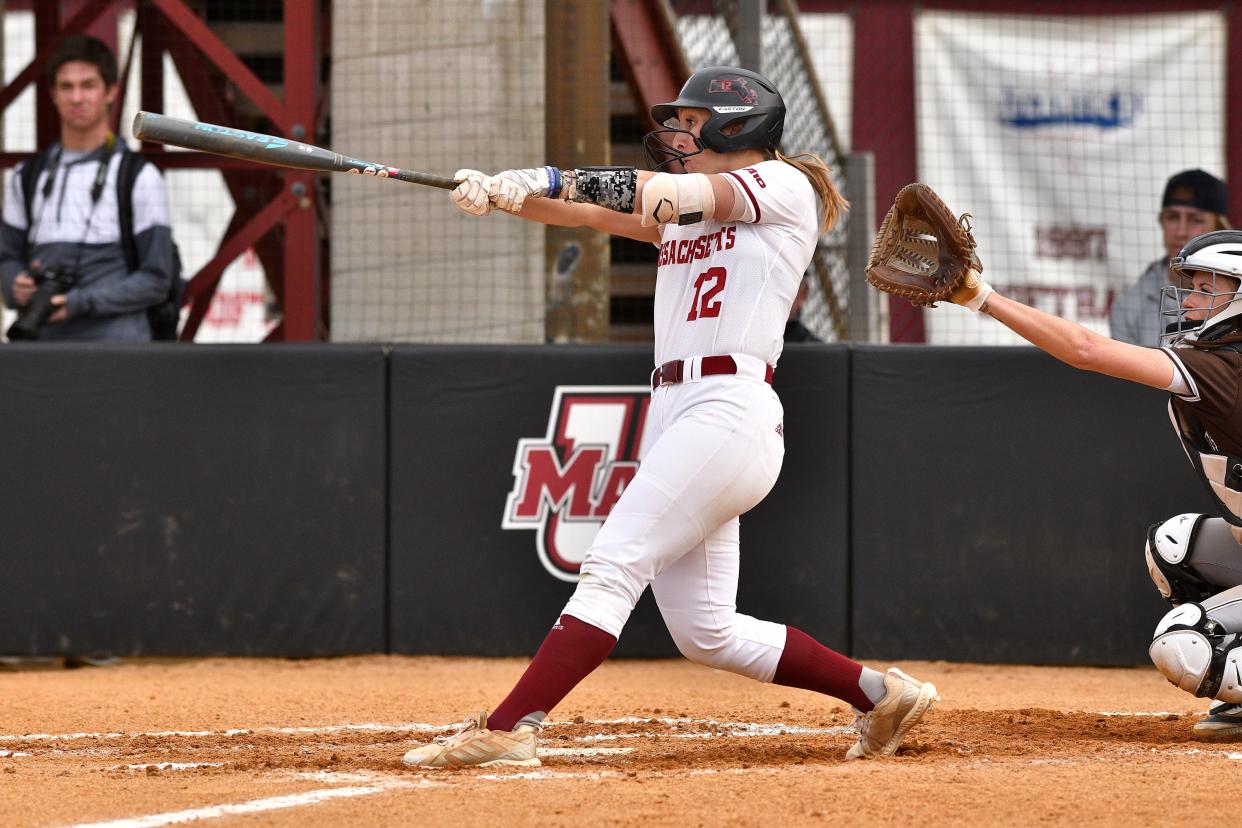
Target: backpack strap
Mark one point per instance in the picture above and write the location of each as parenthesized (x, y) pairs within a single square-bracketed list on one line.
[(126, 176), (162, 316), (29, 178)]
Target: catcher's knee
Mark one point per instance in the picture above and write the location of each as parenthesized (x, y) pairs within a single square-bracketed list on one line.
[(1168, 549), (1193, 652)]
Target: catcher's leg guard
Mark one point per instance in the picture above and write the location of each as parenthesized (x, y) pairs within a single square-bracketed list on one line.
[(1193, 652), (1168, 559)]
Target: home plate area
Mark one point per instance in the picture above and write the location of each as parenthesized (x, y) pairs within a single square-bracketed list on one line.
[(1009, 744)]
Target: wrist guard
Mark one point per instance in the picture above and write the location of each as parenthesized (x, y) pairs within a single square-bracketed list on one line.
[(615, 188), (973, 293)]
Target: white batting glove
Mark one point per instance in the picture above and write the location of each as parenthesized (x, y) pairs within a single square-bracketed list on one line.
[(510, 189), (471, 195)]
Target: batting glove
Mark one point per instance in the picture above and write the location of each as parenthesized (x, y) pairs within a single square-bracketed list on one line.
[(471, 195), (510, 189)]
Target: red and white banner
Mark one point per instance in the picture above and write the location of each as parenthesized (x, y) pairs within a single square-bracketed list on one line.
[(1058, 134)]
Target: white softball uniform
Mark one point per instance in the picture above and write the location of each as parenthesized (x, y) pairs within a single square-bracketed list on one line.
[(727, 288), (713, 444)]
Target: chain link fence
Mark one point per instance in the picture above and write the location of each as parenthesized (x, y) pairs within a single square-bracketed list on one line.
[(786, 59), (1057, 132)]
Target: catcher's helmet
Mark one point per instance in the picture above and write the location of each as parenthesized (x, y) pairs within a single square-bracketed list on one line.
[(1220, 254), (732, 96)]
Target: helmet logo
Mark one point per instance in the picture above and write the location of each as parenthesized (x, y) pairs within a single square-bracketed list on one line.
[(735, 85)]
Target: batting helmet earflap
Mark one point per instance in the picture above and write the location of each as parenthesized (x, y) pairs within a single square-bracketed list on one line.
[(732, 96)]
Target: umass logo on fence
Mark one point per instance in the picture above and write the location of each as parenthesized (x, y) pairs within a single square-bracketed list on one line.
[(566, 482)]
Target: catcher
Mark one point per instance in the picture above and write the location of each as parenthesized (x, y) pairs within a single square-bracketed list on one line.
[(924, 254)]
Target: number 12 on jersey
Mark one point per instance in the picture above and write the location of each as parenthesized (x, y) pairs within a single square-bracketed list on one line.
[(706, 288)]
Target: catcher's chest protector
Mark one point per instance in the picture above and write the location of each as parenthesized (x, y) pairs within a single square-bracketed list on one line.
[(1199, 416)]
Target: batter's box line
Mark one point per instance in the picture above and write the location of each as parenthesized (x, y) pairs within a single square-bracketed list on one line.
[(755, 728), (414, 727), (167, 766), (740, 728), (379, 785)]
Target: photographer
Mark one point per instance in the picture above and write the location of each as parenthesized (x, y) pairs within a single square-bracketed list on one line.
[(64, 264)]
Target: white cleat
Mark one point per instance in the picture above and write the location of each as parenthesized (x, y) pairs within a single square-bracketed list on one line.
[(881, 730), (473, 745)]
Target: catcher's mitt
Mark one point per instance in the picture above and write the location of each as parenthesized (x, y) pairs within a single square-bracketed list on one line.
[(922, 252)]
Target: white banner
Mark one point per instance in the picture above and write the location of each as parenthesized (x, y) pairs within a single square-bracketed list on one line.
[(1058, 135)]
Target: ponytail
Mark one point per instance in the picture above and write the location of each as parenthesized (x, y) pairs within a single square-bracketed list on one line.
[(820, 175)]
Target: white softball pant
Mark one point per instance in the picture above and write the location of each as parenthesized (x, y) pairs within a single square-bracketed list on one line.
[(712, 450)]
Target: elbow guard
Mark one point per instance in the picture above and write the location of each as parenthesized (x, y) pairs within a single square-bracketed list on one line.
[(678, 199)]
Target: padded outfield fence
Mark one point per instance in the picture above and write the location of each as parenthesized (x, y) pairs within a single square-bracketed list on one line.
[(326, 500)]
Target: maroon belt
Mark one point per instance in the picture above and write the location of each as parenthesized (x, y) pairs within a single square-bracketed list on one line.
[(672, 371)]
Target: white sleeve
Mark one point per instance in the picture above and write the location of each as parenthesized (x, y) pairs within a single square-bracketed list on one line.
[(15, 200), (150, 200), (1182, 383), (745, 204), (772, 192)]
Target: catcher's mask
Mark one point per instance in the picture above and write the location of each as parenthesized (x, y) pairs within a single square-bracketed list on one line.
[(1220, 254), (731, 96)]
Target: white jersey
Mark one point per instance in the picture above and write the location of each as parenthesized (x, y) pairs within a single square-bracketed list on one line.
[(726, 288)]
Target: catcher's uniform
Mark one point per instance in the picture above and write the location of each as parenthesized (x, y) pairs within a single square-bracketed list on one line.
[(1208, 420), (713, 444), (1207, 417), (1196, 560)]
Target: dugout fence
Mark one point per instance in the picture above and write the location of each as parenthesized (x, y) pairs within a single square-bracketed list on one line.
[(327, 499)]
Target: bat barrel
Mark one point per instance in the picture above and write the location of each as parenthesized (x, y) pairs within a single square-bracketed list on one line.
[(235, 143), (267, 149), (140, 125)]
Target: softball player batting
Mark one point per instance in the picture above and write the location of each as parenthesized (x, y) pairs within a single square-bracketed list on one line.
[(736, 223)]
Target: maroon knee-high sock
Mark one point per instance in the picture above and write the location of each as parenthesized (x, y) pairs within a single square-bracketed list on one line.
[(809, 665), (571, 650)]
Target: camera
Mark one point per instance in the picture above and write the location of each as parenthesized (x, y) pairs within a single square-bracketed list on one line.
[(50, 282)]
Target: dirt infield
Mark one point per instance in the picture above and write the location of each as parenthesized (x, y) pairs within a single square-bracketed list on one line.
[(658, 743)]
